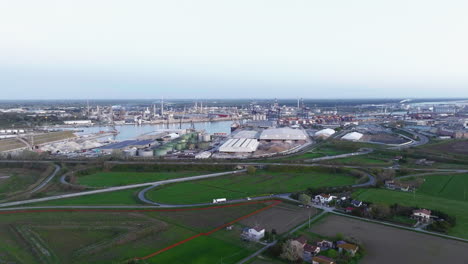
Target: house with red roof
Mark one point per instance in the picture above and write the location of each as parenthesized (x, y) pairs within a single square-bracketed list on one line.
[(347, 247), (322, 260)]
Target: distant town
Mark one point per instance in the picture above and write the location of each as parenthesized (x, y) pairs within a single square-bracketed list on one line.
[(266, 181)]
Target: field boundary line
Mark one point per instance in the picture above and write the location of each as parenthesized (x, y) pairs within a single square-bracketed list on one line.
[(276, 202), (402, 227)]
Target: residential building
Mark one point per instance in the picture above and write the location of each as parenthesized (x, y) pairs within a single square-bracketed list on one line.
[(322, 260), (350, 248), (324, 198), (253, 234), (422, 215)]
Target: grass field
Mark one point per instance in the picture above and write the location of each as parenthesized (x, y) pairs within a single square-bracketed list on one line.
[(123, 197), (241, 186), (109, 179), (317, 153), (116, 237), (202, 250), (457, 208), (16, 181), (453, 186)]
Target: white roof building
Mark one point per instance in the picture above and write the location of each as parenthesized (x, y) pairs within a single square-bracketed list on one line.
[(247, 134), (353, 136), (244, 145), (327, 132), (284, 133)]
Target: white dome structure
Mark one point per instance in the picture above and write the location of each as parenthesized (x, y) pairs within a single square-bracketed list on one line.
[(324, 133), (353, 136)]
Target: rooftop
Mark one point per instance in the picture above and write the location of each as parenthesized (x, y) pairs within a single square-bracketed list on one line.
[(239, 145), (128, 143), (284, 133)]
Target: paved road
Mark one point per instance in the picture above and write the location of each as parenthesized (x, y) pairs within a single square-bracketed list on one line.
[(431, 173), (142, 195), (118, 188), (47, 180), (363, 152), (422, 140)]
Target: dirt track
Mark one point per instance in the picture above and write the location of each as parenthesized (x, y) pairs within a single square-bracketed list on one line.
[(388, 245)]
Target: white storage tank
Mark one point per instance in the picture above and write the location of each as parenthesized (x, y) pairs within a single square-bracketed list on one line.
[(145, 152), (206, 138), (130, 152)]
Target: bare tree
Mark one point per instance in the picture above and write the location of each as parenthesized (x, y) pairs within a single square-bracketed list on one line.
[(292, 251), (304, 199)]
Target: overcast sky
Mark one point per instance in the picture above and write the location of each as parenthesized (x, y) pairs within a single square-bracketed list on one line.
[(95, 49)]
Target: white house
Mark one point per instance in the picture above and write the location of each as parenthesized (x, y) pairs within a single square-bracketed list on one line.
[(324, 198), (422, 215), (253, 234)]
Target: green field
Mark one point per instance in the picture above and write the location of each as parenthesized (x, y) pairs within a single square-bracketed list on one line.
[(369, 159), (453, 187), (123, 197), (457, 208), (116, 237), (109, 179), (202, 250), (241, 186), (316, 153)]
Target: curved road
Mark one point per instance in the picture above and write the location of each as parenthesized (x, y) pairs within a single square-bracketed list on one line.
[(117, 188), (46, 181), (362, 152)]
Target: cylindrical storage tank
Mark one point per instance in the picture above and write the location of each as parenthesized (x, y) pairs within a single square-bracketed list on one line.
[(130, 152), (160, 152), (206, 138), (145, 153), (200, 137)]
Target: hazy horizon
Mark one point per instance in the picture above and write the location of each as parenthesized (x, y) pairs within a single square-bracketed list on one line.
[(56, 50)]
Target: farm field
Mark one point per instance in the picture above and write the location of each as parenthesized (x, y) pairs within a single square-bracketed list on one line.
[(241, 186), (109, 179), (53, 136), (10, 144), (119, 236), (282, 218), (452, 207), (453, 186), (123, 197), (406, 246), (457, 147)]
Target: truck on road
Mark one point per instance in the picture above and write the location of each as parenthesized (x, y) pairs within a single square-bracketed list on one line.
[(219, 200)]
